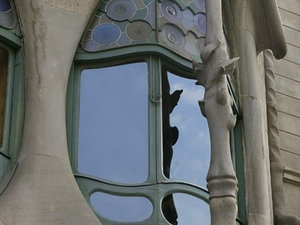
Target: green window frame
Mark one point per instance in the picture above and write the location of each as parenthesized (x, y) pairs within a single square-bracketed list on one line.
[(12, 91), (116, 39), (157, 185)]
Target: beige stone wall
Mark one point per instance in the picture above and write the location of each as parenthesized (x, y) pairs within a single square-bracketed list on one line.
[(43, 190), (288, 99)]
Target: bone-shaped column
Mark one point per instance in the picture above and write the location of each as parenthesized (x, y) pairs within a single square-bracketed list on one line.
[(216, 107)]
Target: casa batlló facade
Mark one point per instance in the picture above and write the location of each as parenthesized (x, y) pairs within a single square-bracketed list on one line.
[(157, 112)]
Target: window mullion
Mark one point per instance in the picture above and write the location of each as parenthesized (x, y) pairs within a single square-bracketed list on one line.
[(156, 117), (153, 101), (155, 130)]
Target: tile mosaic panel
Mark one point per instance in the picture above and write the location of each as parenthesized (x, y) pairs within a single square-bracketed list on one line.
[(179, 25)]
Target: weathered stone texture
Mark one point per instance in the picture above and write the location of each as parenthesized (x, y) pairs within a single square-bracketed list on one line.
[(288, 95), (290, 5), (294, 35), (288, 69), (293, 53), (289, 123), (290, 19), (288, 105), (43, 189), (290, 160), (288, 87), (292, 199)]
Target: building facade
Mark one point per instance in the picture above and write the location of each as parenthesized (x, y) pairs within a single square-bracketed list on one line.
[(250, 98)]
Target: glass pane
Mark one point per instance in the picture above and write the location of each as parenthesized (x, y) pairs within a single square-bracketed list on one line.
[(186, 210), (121, 23), (3, 83), (121, 208), (113, 130), (4, 5), (186, 136)]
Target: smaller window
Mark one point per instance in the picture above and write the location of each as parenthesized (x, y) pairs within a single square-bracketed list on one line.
[(121, 208)]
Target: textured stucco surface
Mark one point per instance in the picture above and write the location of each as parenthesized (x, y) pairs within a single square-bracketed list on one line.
[(80, 7), (43, 189)]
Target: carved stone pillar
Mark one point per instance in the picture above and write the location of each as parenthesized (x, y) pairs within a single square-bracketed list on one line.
[(216, 107)]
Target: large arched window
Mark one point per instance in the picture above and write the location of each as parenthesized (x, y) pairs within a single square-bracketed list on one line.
[(11, 92), (138, 144)]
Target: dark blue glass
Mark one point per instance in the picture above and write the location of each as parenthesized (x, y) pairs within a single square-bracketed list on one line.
[(4, 5), (106, 34)]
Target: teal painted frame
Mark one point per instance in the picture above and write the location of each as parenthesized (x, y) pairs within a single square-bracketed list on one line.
[(156, 56), (14, 105), (236, 137), (155, 60)]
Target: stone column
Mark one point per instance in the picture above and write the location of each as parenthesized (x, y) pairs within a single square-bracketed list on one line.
[(43, 189), (216, 107), (256, 155)]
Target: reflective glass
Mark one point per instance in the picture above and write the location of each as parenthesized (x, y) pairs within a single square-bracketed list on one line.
[(186, 136), (3, 84), (113, 130), (177, 25), (106, 34), (121, 208), (186, 210), (4, 5)]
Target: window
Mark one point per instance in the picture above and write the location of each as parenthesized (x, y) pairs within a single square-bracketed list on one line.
[(138, 143), (11, 92), (113, 133), (130, 117)]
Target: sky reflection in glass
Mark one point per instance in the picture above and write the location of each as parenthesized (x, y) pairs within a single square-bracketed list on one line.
[(191, 210), (191, 153), (121, 208), (113, 130), (113, 140)]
